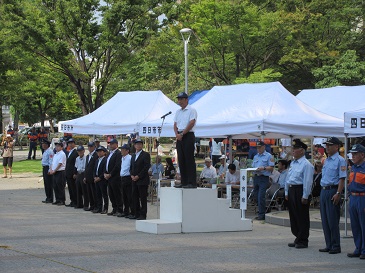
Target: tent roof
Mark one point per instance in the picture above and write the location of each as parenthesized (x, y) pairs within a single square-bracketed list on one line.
[(197, 95), (122, 113), (334, 101), (250, 110)]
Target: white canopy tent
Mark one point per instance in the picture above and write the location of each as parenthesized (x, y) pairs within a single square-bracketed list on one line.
[(122, 114), (254, 111), (334, 101)]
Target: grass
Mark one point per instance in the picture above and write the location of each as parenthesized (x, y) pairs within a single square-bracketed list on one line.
[(27, 166)]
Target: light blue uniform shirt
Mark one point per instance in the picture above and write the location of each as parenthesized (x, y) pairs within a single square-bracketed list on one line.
[(282, 178), (47, 157), (263, 160), (300, 173), (334, 169)]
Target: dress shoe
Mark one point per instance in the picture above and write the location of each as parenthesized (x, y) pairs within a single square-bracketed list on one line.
[(55, 203), (353, 255), (61, 204), (324, 250), (141, 218), (118, 214), (132, 217), (335, 251), (87, 209), (189, 186), (300, 246), (178, 186), (362, 256), (44, 201), (97, 211), (49, 201), (69, 205), (104, 212), (111, 213), (78, 207), (128, 216), (123, 214), (291, 245), (260, 218)]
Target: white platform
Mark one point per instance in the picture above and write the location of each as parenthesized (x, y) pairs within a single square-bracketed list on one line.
[(194, 210)]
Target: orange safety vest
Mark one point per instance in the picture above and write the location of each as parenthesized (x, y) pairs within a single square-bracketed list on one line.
[(32, 137)]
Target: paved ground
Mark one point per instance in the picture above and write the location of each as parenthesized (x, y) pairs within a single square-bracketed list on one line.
[(36, 237)]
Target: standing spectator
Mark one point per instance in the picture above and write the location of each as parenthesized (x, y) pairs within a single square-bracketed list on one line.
[(356, 189), (184, 123), (46, 164), (82, 200), (223, 167), (125, 175), (100, 182), (332, 183), (8, 144), (264, 164), (170, 170), (112, 176), (91, 158), (217, 148), (57, 169), (33, 137), (70, 169), (140, 163), (97, 143), (298, 187), (42, 135)]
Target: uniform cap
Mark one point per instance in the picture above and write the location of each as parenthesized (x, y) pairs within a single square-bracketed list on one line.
[(91, 144), (113, 141), (80, 148), (46, 141), (70, 140), (138, 140), (101, 148), (182, 95), (207, 159), (223, 157), (357, 148), (96, 140), (125, 146), (333, 141), (297, 143), (260, 143)]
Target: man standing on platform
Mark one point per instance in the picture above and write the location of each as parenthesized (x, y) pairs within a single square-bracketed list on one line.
[(140, 163), (46, 163), (356, 189), (264, 164), (333, 178), (112, 176), (298, 187), (125, 175), (184, 123)]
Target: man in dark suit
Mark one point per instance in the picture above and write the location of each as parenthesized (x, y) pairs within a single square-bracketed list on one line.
[(140, 164), (100, 182), (70, 169), (91, 158), (112, 176)]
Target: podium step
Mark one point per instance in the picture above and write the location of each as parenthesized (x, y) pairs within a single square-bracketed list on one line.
[(158, 226)]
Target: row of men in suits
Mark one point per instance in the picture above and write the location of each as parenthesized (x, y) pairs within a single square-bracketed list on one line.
[(99, 176)]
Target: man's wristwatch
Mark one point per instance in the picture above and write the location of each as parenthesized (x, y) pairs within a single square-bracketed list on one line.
[(181, 134), (338, 193)]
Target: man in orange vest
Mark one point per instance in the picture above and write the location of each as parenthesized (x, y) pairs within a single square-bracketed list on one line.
[(42, 136), (33, 137)]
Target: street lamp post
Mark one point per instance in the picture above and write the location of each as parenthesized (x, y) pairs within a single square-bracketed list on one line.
[(186, 33)]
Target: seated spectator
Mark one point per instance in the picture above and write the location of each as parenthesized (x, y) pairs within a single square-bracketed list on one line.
[(156, 168), (283, 170), (170, 170), (223, 167), (232, 176), (317, 176), (209, 171)]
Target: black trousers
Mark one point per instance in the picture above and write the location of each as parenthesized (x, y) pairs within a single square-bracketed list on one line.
[(185, 153), (48, 184), (71, 184), (102, 195), (59, 183), (299, 215), (91, 192), (127, 194), (32, 148), (115, 194), (81, 197), (139, 197)]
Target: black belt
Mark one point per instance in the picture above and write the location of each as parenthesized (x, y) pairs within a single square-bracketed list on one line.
[(329, 187), (295, 186), (127, 176), (261, 175), (186, 133)]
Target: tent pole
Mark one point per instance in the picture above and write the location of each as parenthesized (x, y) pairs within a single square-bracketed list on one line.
[(346, 180), (230, 149)]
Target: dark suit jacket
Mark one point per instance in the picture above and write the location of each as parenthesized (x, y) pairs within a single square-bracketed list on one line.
[(114, 166), (100, 172), (89, 167), (140, 167), (70, 163)]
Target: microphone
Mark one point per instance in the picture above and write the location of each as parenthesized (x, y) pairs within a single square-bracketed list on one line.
[(165, 115)]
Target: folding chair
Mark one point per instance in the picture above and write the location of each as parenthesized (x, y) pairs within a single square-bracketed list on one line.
[(271, 194)]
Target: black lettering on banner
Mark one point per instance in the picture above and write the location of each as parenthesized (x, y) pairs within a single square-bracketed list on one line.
[(149, 130), (353, 122), (362, 122), (144, 130), (154, 130)]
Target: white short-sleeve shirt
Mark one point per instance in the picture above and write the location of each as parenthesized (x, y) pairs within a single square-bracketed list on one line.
[(184, 116)]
